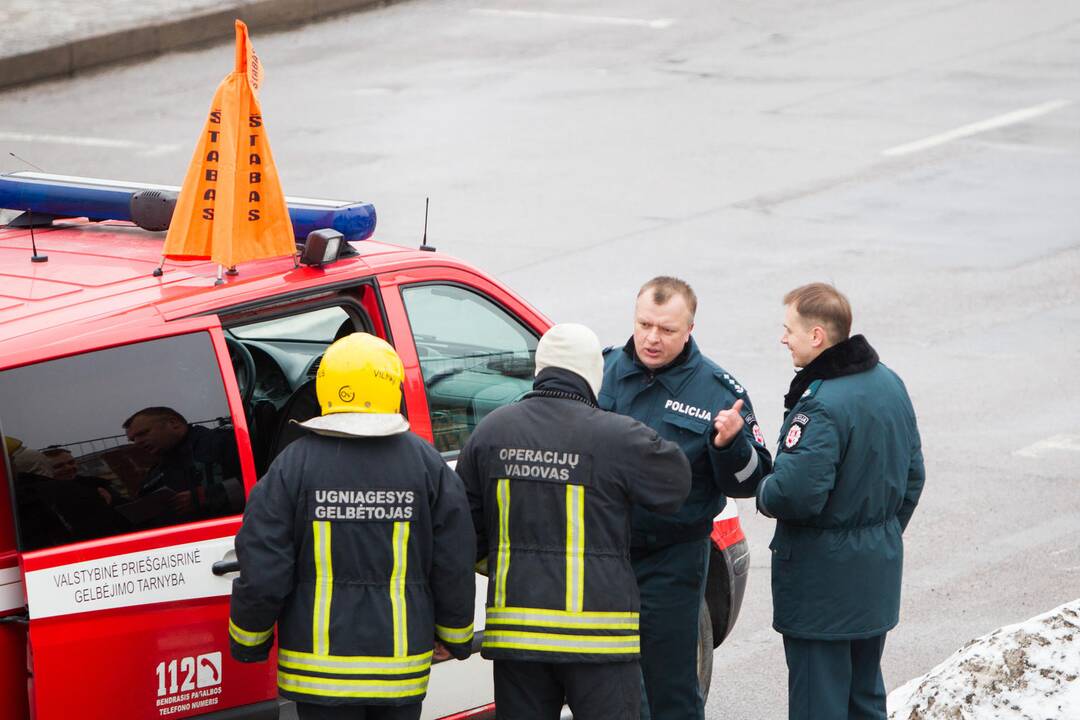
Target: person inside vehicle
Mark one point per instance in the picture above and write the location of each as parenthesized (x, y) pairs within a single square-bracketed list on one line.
[(26, 460), (37, 523), (196, 474), (65, 467), (55, 510)]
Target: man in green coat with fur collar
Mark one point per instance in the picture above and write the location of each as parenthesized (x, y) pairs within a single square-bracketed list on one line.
[(847, 476)]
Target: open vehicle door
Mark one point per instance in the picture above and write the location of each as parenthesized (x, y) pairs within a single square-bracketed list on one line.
[(468, 347)]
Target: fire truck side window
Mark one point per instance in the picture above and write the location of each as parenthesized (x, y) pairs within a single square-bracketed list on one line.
[(119, 440), (474, 357), (286, 352)]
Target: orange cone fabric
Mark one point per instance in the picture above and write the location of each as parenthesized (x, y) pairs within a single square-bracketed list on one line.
[(231, 208)]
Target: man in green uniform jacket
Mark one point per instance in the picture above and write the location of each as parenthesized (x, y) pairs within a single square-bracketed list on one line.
[(661, 379), (847, 477)]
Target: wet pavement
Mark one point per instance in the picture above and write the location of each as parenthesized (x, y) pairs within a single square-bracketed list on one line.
[(50, 38), (922, 155)]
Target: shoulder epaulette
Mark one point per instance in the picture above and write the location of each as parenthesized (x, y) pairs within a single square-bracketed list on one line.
[(731, 382), (809, 393)]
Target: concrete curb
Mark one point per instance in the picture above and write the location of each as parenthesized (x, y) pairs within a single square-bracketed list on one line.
[(162, 35)]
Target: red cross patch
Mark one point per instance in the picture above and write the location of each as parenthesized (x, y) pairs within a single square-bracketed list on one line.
[(794, 435), (758, 435)]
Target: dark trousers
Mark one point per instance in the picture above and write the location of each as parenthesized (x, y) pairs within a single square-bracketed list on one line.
[(672, 584), (594, 691), (311, 711), (835, 679)]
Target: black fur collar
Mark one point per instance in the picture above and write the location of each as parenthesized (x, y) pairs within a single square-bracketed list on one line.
[(851, 356)]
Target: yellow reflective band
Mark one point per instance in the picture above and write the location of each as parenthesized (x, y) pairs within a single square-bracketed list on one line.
[(354, 664), (562, 619), (335, 687), (564, 613), (247, 637), (455, 635), (324, 588), (558, 643), (397, 589), (575, 547), (502, 494)]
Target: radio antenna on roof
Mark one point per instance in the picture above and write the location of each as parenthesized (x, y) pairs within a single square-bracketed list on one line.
[(25, 161), (423, 243), (35, 258)]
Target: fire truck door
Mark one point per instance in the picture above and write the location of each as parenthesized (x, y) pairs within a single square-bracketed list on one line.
[(13, 620), (135, 472)]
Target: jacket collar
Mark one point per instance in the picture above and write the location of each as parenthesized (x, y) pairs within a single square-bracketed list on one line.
[(557, 382), (849, 357), (356, 425), (672, 376)]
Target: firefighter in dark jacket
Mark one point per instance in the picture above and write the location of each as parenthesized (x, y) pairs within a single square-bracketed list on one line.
[(849, 472), (551, 480), (661, 379), (357, 542)]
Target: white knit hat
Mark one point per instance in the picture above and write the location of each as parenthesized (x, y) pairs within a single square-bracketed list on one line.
[(575, 348)]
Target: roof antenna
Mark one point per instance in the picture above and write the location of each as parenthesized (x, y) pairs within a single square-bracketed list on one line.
[(35, 258), (28, 219), (423, 243), (25, 161)]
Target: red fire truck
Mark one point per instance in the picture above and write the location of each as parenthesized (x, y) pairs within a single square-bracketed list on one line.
[(113, 603)]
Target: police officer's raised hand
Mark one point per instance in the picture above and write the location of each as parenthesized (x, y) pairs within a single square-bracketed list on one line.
[(728, 423)]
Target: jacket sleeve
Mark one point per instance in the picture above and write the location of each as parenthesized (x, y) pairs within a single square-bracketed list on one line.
[(452, 581), (469, 471), (915, 480), (805, 471), (656, 470), (266, 550), (739, 467)]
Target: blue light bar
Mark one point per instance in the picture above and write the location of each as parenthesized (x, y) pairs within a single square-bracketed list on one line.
[(356, 221), (95, 199)]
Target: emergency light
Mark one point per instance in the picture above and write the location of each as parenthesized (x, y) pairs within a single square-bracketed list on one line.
[(322, 247), (63, 196)]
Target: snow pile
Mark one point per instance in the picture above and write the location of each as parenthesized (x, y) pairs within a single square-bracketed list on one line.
[(1026, 671)]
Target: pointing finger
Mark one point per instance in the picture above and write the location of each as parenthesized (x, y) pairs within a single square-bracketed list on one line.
[(738, 405)]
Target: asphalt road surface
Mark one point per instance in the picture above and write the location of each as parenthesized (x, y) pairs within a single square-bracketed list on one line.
[(924, 156)]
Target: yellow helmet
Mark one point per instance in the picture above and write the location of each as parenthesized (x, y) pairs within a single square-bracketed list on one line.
[(360, 373)]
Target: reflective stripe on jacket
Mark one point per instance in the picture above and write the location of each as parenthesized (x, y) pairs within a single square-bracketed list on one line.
[(551, 481), (361, 550)]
